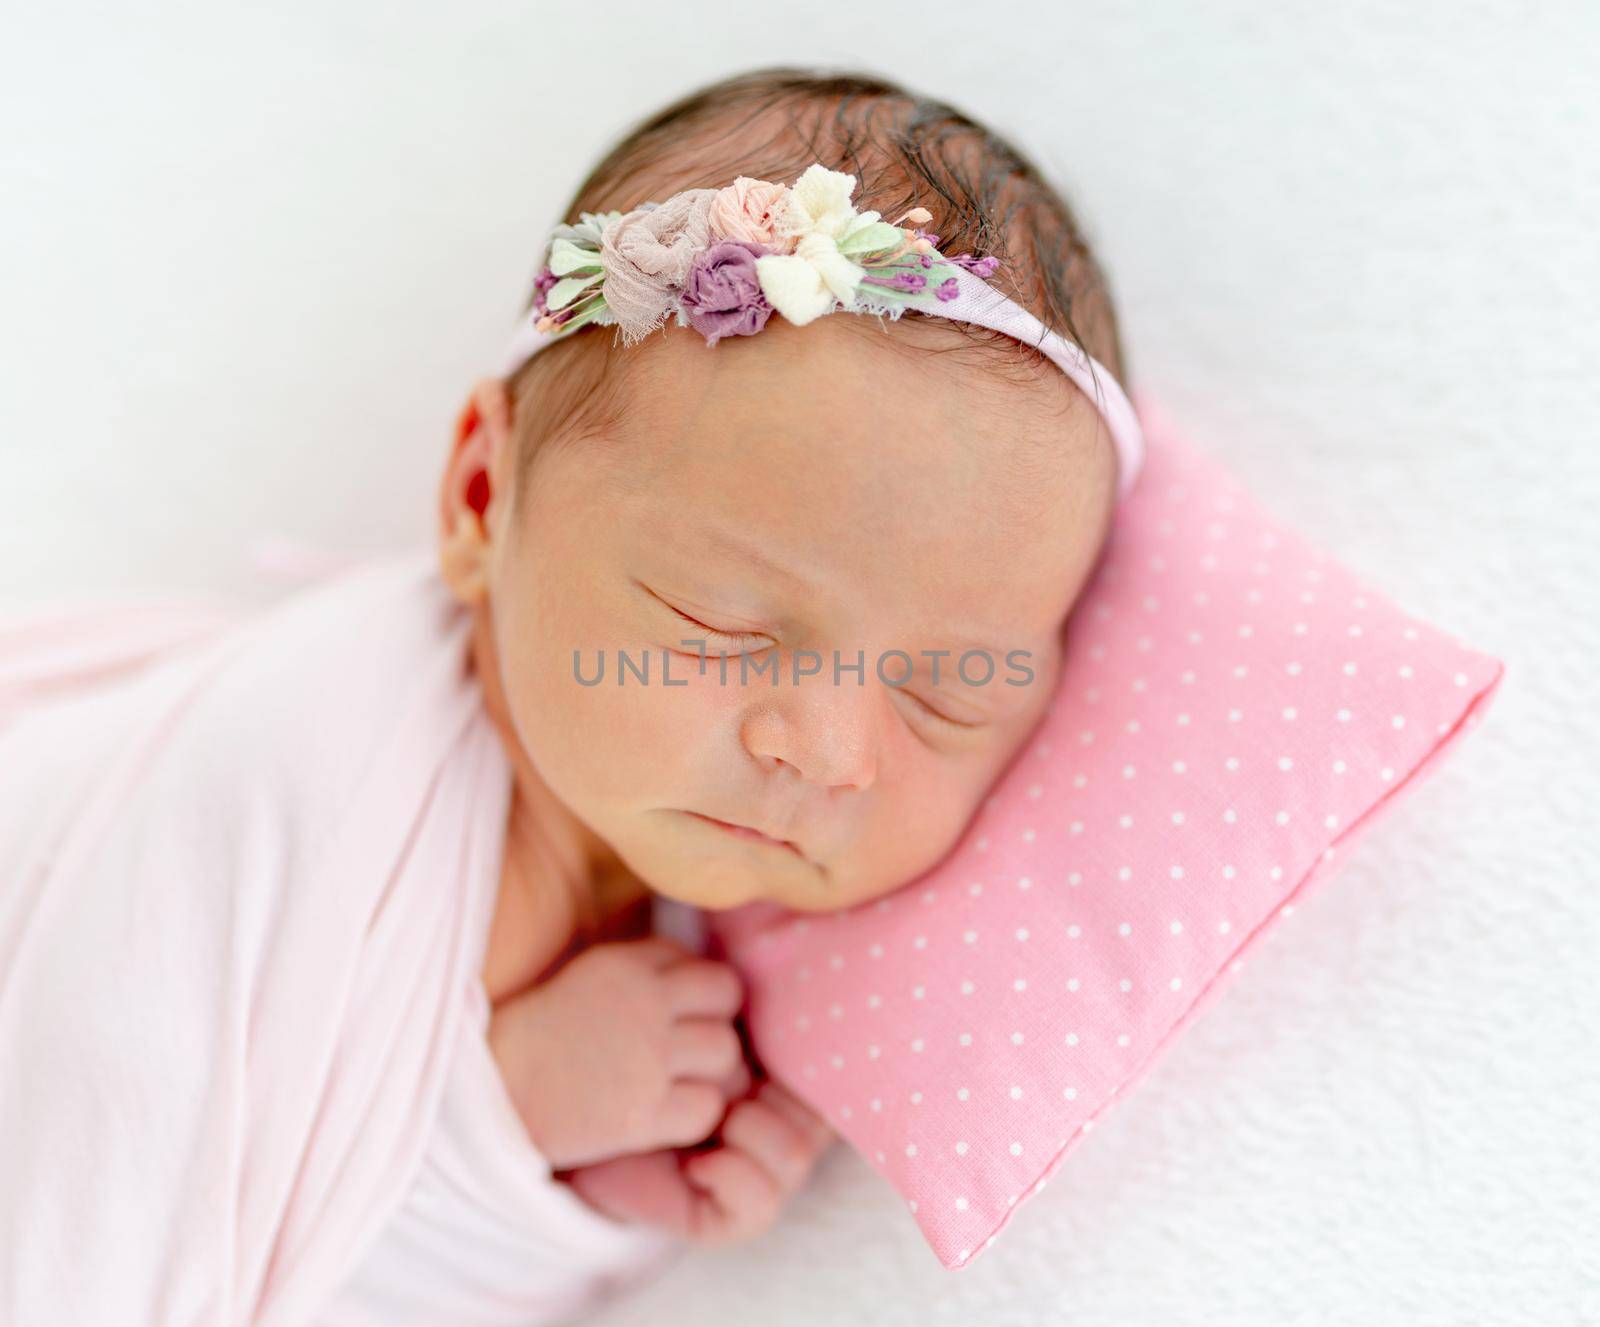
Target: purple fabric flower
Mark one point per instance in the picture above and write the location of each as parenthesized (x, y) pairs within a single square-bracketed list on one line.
[(721, 293)]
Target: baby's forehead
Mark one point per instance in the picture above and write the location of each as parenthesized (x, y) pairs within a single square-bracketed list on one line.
[(871, 475), (910, 409)]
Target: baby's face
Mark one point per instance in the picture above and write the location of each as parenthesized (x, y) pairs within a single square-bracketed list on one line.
[(799, 490)]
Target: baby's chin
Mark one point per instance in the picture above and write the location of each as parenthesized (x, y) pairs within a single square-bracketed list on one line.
[(709, 867)]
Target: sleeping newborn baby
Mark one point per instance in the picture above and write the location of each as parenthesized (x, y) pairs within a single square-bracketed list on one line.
[(332, 984), (762, 605)]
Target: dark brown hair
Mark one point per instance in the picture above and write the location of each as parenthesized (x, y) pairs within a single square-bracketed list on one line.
[(905, 150)]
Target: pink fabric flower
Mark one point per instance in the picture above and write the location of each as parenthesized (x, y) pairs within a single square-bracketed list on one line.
[(722, 294), (750, 210), (646, 255)]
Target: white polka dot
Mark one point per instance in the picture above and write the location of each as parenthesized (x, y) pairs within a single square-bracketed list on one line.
[(1123, 1039), (1072, 1038), (1386, 774), (1224, 927), (966, 988), (917, 1044), (916, 1098), (1177, 927), (1073, 932), (1398, 720), (970, 937), (1070, 1093), (1124, 929), (1177, 982), (961, 1149), (1016, 1151), (1016, 1038), (1020, 984), (911, 1149), (1284, 762), (961, 1206), (1016, 1092), (962, 1094), (1022, 932), (965, 1039), (1125, 985), (1282, 817), (1227, 872)]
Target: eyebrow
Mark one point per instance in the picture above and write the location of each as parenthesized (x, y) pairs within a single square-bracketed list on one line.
[(749, 553)]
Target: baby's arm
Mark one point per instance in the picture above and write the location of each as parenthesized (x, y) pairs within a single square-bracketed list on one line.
[(628, 1048)]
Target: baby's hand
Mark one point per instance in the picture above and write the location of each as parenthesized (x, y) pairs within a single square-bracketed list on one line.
[(770, 1143), (629, 1047)]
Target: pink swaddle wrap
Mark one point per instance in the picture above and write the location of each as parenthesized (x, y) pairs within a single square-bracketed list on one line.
[(243, 854)]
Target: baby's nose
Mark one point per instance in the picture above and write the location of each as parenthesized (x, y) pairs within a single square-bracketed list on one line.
[(826, 733)]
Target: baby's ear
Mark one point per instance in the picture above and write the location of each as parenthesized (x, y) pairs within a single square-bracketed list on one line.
[(479, 454)]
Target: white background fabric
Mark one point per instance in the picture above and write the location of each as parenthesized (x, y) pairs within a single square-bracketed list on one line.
[(254, 259)]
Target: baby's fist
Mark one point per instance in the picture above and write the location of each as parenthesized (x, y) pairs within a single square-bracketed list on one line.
[(771, 1142)]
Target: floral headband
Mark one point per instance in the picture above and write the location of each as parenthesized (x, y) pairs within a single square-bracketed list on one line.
[(724, 260)]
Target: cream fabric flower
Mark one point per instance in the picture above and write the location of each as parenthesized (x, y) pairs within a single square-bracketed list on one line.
[(826, 229)]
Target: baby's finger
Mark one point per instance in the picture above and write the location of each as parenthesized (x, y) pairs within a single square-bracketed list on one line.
[(703, 1048), (702, 987), (736, 1083), (733, 1196), (816, 1130), (771, 1139)]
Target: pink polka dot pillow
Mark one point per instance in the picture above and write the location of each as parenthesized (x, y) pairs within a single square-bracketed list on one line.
[(1236, 709)]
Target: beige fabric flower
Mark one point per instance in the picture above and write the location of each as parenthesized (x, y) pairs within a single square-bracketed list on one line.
[(646, 255)]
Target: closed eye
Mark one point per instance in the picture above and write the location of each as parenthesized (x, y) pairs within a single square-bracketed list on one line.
[(736, 636), (942, 718)]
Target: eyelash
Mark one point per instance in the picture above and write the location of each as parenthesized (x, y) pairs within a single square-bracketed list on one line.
[(744, 636), (933, 713), (722, 635)]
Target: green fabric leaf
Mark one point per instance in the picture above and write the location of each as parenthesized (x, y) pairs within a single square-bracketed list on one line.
[(568, 289), (871, 238), (567, 257)]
